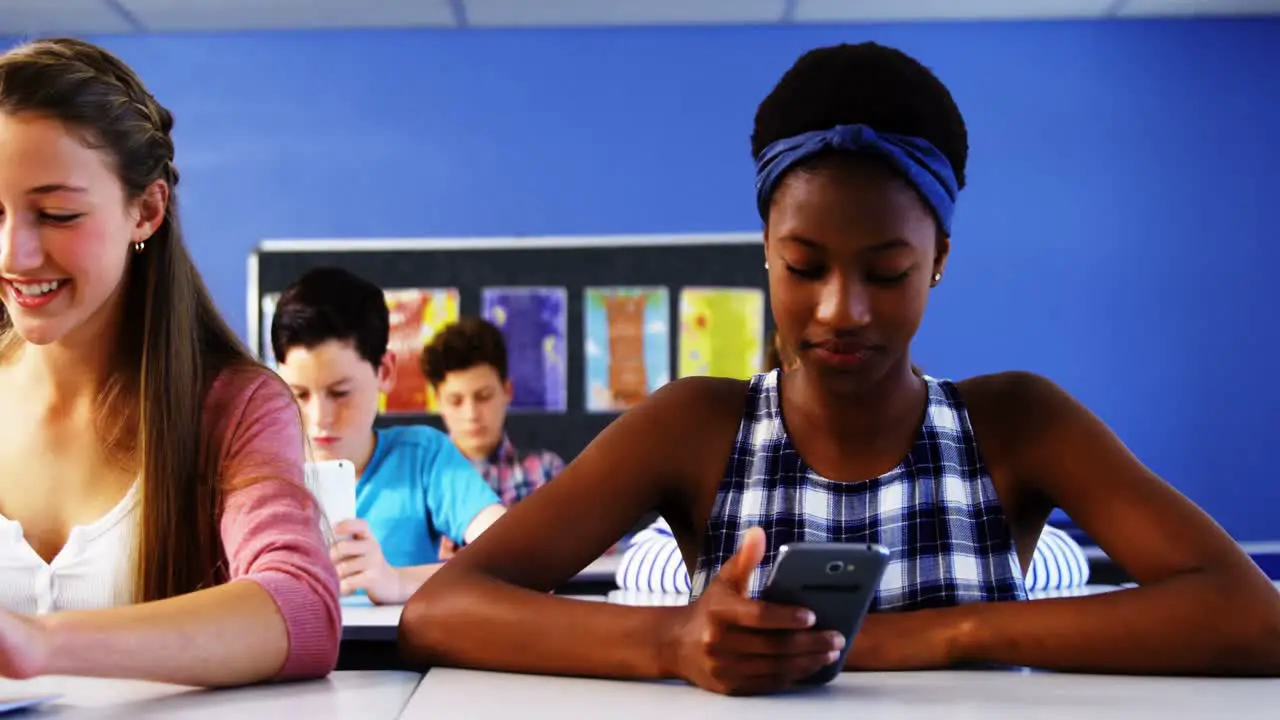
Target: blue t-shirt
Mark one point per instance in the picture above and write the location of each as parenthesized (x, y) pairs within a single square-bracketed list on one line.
[(417, 488)]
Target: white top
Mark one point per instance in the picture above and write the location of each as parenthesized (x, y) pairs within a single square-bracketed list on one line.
[(93, 570), (980, 695)]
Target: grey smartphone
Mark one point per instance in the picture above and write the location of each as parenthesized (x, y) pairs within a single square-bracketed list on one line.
[(837, 581)]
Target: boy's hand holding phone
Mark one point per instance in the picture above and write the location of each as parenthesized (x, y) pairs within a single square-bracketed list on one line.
[(361, 565)]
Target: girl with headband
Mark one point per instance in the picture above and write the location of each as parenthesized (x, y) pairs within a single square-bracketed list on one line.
[(860, 156)]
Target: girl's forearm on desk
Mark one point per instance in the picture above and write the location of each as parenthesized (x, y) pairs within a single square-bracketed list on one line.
[(1194, 624), (232, 634), (498, 625)]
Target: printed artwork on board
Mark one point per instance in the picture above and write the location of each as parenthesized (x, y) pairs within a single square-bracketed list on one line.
[(416, 315), (268, 309), (534, 322), (627, 345), (721, 331)]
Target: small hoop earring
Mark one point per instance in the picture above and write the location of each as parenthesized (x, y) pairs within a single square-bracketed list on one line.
[(139, 246)]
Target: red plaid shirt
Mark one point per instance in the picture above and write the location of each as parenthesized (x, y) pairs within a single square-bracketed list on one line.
[(513, 476)]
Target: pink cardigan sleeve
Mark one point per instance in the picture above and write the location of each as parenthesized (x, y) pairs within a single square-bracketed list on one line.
[(270, 524)]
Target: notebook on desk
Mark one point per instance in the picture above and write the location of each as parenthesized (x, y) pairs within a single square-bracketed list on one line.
[(14, 704)]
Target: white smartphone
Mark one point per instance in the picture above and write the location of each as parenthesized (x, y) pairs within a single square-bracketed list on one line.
[(333, 482)]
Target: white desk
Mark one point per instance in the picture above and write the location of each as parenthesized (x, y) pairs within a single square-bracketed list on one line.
[(603, 569), (1072, 592), (341, 696), (981, 695), (645, 599), (362, 620)]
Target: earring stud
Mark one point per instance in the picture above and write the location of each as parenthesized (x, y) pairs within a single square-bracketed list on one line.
[(766, 264), (937, 277), (139, 246)]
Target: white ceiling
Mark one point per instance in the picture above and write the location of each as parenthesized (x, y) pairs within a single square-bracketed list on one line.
[(39, 17)]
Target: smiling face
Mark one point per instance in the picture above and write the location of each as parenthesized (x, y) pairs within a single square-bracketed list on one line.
[(852, 249), (66, 231)]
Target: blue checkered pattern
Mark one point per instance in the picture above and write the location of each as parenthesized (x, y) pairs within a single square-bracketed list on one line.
[(937, 511)]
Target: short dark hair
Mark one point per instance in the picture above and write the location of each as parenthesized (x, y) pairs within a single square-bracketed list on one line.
[(868, 84), (464, 344), (330, 303)]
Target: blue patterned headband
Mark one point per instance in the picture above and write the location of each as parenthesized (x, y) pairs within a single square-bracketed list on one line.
[(919, 161)]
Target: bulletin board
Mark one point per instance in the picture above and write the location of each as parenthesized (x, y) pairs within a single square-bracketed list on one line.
[(593, 324)]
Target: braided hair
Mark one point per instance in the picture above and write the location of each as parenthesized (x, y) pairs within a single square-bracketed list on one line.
[(172, 342)]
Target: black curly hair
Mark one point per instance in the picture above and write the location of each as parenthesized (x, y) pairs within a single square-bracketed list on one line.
[(866, 83), (466, 343)]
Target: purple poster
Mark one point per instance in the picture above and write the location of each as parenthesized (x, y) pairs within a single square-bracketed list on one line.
[(533, 321)]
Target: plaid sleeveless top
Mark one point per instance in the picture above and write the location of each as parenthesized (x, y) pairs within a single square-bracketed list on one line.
[(937, 511)]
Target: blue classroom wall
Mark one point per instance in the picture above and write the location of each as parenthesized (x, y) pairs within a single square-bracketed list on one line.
[(1116, 236)]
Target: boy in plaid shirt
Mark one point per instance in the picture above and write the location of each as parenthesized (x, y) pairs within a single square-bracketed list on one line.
[(466, 364)]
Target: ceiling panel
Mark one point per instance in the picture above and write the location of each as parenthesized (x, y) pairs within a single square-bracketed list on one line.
[(527, 13), (170, 15), (48, 17), (44, 17), (811, 11), (1149, 8)]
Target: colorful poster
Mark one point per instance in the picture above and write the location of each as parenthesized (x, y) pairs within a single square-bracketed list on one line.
[(533, 321), (268, 310), (627, 344), (721, 331), (416, 315)]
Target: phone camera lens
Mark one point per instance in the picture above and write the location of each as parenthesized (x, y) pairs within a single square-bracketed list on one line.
[(834, 567)]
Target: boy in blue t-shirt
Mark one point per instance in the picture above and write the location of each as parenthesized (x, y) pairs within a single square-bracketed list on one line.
[(329, 335)]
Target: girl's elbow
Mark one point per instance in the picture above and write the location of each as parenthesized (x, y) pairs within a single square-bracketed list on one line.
[(313, 649), (315, 664), (1265, 639), (445, 620), (1255, 632), (421, 634)]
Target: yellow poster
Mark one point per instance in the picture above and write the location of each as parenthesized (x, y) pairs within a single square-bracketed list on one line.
[(721, 331), (416, 316)]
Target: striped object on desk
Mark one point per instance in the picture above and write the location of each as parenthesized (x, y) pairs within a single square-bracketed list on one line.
[(653, 562), (1058, 562)]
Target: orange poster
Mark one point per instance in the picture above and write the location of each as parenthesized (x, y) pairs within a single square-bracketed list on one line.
[(416, 316), (628, 345)]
